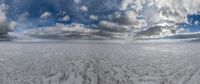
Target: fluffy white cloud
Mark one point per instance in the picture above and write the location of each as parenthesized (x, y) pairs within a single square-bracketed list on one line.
[(13, 25), (84, 8), (93, 17), (45, 15), (66, 18)]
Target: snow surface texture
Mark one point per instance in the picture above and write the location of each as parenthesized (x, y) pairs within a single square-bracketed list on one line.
[(99, 62), (118, 18)]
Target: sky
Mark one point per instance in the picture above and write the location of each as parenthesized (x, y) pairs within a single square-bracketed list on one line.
[(110, 18), (194, 25)]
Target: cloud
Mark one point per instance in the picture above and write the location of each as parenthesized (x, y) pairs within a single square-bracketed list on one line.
[(158, 30), (119, 17), (45, 15), (113, 27), (4, 25), (106, 30), (13, 25), (77, 1), (66, 18), (84, 8), (23, 17), (94, 18), (61, 31), (196, 22), (154, 16)]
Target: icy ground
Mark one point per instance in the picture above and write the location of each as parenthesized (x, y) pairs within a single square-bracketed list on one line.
[(99, 63)]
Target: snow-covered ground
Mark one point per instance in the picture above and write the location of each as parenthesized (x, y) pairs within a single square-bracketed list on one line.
[(99, 63)]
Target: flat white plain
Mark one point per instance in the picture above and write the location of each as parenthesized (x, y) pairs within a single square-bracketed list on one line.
[(99, 63)]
